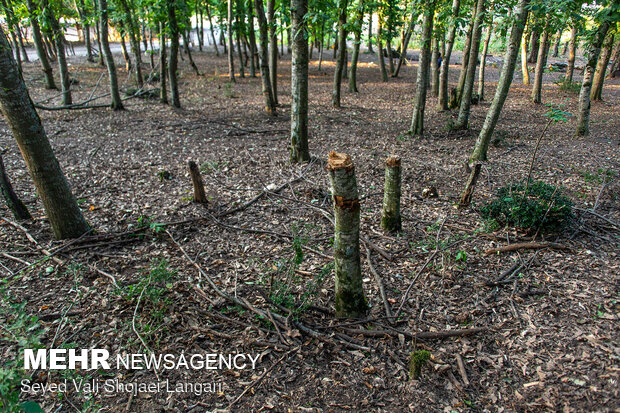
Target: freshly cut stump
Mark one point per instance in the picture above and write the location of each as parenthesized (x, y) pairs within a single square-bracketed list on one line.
[(350, 300), (390, 219)]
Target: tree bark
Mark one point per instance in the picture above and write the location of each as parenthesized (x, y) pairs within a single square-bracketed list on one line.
[(483, 61), (435, 67), (133, 41), (390, 218), (356, 48), (342, 48), (601, 66), (125, 54), (163, 74), (443, 102), (462, 121), (238, 31), (524, 69), (384, 75), (84, 19), (556, 45), (593, 50), (252, 38), (503, 86), (15, 204), (534, 46), (572, 48), (197, 183), (541, 61), (39, 46), (217, 51), (231, 50), (174, 55), (117, 104), (417, 121), (615, 62), (61, 207), (350, 300), (370, 33), (299, 82), (273, 49), (59, 41), (405, 43), (466, 51)]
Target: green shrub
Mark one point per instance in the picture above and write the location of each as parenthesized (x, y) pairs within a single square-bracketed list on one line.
[(543, 207), (567, 86)]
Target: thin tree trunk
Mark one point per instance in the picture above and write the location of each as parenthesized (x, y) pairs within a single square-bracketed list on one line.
[(59, 41), (217, 52), (524, 69), (572, 48), (299, 82), (443, 103), (252, 39), (125, 54), (356, 48), (405, 43), (540, 67), (342, 47), (593, 50), (390, 216), (384, 75), (20, 40), (80, 7), (556, 46), (231, 50), (100, 56), (273, 49), (189, 53), (534, 46), (38, 44), (599, 75), (503, 86), (52, 187), (465, 63), (263, 34), (15, 204), (417, 121), (163, 74), (435, 67), (483, 61), (238, 35), (615, 62), (151, 49), (462, 121), (134, 41), (174, 55), (370, 33), (322, 45), (109, 59)]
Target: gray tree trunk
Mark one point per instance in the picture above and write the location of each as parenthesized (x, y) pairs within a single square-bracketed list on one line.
[(350, 300), (342, 48), (615, 61), (273, 49), (60, 205), (15, 204), (117, 104), (503, 86), (173, 59), (466, 50), (217, 51), (390, 218), (38, 44), (417, 121), (524, 69), (356, 48), (384, 75), (599, 75), (59, 41), (572, 48), (370, 33), (483, 61), (593, 50), (134, 41), (231, 50), (263, 32), (540, 67), (299, 82), (443, 103), (405, 43), (163, 73), (435, 67)]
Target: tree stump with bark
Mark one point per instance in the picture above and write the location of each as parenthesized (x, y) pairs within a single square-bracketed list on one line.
[(197, 182), (391, 219)]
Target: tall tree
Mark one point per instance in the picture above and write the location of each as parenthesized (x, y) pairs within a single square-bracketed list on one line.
[(357, 33), (417, 121), (572, 48), (59, 42), (342, 49), (231, 50), (503, 86), (599, 74), (273, 48), (445, 65), (174, 54), (39, 45), (483, 60), (60, 205), (270, 105), (541, 61), (299, 82), (109, 59), (134, 40)]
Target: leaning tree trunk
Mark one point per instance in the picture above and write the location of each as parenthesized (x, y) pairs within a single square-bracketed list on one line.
[(117, 104), (217, 51), (189, 53), (134, 41), (503, 86), (384, 75), (540, 67), (356, 48), (38, 44), (405, 43), (163, 74), (417, 121), (483, 60), (462, 121), (59, 41), (593, 50), (126, 56), (390, 218), (15, 204), (273, 49), (52, 187), (342, 48), (263, 33), (174, 56), (350, 300), (299, 82), (445, 64), (84, 19), (231, 50), (572, 48), (616, 62), (599, 75), (463, 74)]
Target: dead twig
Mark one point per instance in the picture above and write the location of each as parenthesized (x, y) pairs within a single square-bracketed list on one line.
[(526, 245), (379, 281)]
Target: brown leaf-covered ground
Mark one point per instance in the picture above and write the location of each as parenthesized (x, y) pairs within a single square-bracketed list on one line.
[(551, 341)]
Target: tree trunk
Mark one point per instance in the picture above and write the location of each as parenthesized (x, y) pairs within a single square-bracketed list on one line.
[(117, 104), (370, 33), (572, 48), (503, 86), (59, 41), (615, 62), (466, 51), (189, 53), (390, 218), (593, 50), (384, 75), (417, 121), (445, 65), (599, 75), (273, 49), (20, 40), (524, 70), (462, 121), (15, 204), (80, 6), (163, 74), (270, 105), (231, 50), (342, 48), (217, 51), (556, 46), (534, 46), (100, 56), (133, 41), (322, 45), (252, 39), (356, 48), (299, 82), (197, 183), (60, 205), (125, 54), (174, 55), (405, 43), (38, 44), (483, 61), (350, 300), (435, 67), (540, 67), (238, 31)]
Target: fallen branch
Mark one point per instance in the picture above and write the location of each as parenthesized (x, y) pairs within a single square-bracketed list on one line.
[(386, 303), (427, 335), (526, 245)]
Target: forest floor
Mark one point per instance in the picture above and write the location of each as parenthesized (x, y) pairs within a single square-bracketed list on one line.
[(542, 341)]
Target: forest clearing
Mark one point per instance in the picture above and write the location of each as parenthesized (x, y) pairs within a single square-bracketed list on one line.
[(460, 311)]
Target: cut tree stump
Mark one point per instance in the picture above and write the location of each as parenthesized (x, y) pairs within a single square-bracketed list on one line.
[(197, 182), (390, 219)]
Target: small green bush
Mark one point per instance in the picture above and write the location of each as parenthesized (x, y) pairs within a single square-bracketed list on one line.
[(543, 207), (567, 86)]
